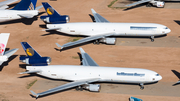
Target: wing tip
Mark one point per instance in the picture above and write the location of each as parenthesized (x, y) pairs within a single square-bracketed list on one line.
[(34, 93), (59, 45), (93, 11), (82, 51)]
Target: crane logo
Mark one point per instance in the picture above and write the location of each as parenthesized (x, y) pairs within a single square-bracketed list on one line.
[(30, 52), (1, 48), (50, 11)]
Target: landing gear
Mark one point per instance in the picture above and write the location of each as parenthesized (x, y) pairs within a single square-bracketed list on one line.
[(142, 86), (79, 88), (148, 5), (96, 42), (152, 38)]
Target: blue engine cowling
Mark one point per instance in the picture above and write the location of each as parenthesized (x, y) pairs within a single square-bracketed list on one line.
[(43, 61), (53, 20)]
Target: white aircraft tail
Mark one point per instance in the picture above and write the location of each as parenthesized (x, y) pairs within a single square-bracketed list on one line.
[(3, 42)]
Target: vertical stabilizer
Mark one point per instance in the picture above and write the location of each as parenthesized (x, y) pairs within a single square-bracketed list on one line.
[(3, 42), (50, 10), (26, 5)]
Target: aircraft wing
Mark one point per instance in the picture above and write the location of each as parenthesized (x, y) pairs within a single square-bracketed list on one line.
[(139, 2), (86, 59), (98, 18), (66, 86), (26, 15), (10, 52), (87, 39), (3, 5)]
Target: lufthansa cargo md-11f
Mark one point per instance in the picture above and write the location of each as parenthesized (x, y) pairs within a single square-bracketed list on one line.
[(83, 76), (104, 31)]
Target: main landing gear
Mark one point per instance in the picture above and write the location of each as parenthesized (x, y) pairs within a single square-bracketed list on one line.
[(96, 42), (142, 86), (152, 38), (148, 5), (79, 88)]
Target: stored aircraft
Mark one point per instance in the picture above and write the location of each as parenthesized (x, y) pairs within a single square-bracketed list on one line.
[(53, 16), (24, 9), (104, 31), (84, 76), (3, 5), (157, 3), (3, 41)]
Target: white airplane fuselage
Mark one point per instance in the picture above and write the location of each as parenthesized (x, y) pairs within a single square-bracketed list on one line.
[(3, 58), (7, 15), (119, 29), (105, 74)]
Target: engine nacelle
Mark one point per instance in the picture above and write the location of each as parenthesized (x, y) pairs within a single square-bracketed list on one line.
[(159, 4), (93, 87), (109, 41), (3, 58), (43, 61), (53, 20)]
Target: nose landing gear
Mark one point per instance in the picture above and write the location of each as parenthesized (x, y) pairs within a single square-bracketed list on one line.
[(152, 38), (141, 86)]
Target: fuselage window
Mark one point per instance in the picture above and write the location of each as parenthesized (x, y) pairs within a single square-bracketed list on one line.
[(142, 28)]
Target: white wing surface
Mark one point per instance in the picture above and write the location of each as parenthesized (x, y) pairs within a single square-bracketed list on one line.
[(98, 18), (86, 59), (139, 2), (3, 5), (87, 39), (26, 15), (66, 86)]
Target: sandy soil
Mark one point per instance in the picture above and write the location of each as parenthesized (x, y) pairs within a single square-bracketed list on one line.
[(159, 59)]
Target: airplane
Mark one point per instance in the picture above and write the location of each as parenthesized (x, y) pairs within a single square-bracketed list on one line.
[(3, 5), (24, 9), (89, 72), (157, 3), (3, 41), (53, 16), (33, 58), (104, 31)]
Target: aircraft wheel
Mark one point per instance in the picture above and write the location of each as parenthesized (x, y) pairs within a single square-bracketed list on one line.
[(77, 88), (152, 40), (142, 88), (81, 89)]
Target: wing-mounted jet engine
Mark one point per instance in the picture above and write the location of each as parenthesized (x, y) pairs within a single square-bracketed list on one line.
[(33, 58), (53, 16)]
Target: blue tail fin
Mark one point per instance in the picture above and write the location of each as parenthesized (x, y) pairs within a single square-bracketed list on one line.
[(50, 10), (29, 50), (26, 5)]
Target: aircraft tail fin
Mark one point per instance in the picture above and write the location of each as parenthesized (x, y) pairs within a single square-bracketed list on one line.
[(26, 5), (29, 50), (50, 10), (10, 52), (3, 42), (34, 93)]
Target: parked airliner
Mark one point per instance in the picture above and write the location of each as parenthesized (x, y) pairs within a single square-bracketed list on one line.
[(104, 31), (24, 9), (83, 76), (3, 41)]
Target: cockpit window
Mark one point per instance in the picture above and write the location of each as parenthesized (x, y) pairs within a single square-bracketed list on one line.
[(165, 28), (157, 74)]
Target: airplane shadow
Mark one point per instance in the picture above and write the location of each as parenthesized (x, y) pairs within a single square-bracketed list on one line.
[(136, 6), (7, 62), (92, 18), (178, 75), (12, 5), (177, 21)]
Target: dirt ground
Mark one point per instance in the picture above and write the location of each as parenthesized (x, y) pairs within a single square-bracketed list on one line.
[(158, 56)]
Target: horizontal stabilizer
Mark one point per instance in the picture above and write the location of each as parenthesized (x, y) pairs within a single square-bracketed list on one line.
[(34, 93), (10, 52), (29, 72), (59, 45), (39, 7), (139, 2), (26, 15)]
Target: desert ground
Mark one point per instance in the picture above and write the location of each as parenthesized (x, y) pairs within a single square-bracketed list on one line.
[(162, 55)]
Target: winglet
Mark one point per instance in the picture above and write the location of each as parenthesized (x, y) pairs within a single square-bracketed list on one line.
[(34, 93), (59, 45), (93, 11), (82, 51)]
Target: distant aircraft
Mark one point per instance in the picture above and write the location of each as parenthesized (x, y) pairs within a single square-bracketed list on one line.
[(83, 76), (157, 3), (3, 5), (33, 58), (3, 41), (104, 31), (53, 17), (24, 9)]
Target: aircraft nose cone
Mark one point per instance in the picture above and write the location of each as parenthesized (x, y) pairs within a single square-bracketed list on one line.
[(159, 78), (168, 31)]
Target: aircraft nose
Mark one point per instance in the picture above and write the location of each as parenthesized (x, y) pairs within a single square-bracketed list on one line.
[(158, 77), (168, 30)]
